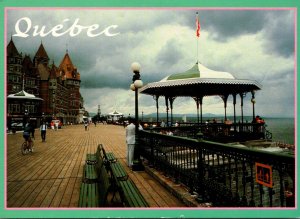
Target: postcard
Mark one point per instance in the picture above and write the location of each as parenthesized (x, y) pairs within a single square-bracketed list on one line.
[(158, 109)]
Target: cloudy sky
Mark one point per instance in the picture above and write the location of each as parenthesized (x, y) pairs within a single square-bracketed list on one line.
[(250, 44)]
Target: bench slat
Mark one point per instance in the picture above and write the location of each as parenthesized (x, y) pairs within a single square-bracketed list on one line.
[(88, 195), (118, 171), (132, 196), (90, 173)]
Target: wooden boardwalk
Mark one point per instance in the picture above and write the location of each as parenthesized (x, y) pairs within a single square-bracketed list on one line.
[(50, 177)]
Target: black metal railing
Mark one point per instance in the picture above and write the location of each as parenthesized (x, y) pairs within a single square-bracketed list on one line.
[(222, 174)]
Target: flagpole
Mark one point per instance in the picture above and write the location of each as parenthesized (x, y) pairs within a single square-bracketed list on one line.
[(197, 49), (197, 34)]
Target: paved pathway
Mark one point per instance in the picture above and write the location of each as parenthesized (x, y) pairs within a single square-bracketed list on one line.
[(51, 175)]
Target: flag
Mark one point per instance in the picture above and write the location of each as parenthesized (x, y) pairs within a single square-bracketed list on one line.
[(197, 26)]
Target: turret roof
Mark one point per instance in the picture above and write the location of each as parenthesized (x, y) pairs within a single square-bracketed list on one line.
[(67, 68), (11, 49), (41, 52)]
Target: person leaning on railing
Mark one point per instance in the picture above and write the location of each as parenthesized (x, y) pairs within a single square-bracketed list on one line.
[(228, 124), (261, 122)]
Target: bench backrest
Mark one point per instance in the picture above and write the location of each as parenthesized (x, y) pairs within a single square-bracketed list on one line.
[(100, 157), (104, 153), (104, 185)]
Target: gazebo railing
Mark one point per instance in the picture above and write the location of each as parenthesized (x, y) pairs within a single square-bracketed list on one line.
[(219, 131), (222, 174)]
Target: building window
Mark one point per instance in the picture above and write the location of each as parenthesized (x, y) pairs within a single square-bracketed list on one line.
[(10, 78), (14, 108)]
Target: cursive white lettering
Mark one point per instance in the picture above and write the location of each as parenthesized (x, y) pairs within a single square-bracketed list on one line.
[(19, 33), (74, 30)]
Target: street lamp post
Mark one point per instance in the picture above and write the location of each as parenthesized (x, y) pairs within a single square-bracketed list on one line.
[(25, 117), (43, 117), (136, 84), (253, 103)]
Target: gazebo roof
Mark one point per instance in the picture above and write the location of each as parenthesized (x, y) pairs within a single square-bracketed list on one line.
[(115, 113), (23, 95), (200, 81)]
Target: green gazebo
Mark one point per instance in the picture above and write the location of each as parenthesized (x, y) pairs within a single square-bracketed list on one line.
[(198, 82)]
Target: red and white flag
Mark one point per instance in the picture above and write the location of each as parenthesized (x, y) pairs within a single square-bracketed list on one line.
[(197, 26)]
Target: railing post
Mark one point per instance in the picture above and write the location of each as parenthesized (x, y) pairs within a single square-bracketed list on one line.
[(200, 174), (151, 151)]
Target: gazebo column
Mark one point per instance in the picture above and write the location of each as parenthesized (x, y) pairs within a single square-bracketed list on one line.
[(201, 101), (225, 97), (198, 101), (234, 114), (253, 104), (156, 100), (167, 110), (171, 99), (242, 95)]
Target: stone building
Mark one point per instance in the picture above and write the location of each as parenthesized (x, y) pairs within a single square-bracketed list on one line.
[(57, 86)]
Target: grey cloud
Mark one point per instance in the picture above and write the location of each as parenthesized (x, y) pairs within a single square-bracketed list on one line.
[(170, 54), (280, 33), (280, 77), (106, 80), (223, 25)]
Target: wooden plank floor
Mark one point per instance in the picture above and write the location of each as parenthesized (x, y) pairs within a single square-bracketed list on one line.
[(51, 175)]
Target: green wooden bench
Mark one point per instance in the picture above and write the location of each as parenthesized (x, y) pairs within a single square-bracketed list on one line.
[(93, 158), (109, 157), (118, 173), (88, 195), (130, 195), (117, 170), (90, 174), (96, 180), (112, 175)]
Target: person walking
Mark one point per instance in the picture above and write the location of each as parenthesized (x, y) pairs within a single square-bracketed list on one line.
[(52, 125), (86, 126), (32, 126), (43, 129), (27, 131), (55, 126)]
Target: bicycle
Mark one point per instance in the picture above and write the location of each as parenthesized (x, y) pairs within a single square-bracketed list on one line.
[(27, 146)]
